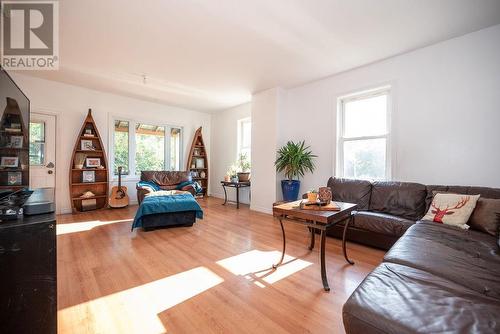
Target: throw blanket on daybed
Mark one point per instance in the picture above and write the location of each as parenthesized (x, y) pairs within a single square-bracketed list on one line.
[(166, 202)]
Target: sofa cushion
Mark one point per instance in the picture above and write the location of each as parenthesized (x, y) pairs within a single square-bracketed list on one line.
[(381, 223), (351, 191), (466, 257), (165, 178), (486, 216), (402, 199), (399, 299)]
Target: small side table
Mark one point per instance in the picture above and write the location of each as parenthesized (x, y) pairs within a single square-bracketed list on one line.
[(236, 185)]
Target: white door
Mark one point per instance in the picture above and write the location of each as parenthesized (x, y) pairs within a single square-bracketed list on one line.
[(42, 151)]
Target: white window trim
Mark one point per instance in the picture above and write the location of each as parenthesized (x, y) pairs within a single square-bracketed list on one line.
[(132, 148), (240, 135), (387, 89)]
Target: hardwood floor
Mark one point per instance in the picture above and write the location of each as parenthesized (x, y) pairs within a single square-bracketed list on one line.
[(209, 278)]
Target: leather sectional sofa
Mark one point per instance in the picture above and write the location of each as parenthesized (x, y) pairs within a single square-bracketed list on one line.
[(436, 278)]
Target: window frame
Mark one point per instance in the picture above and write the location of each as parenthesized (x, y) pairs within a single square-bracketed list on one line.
[(132, 145), (341, 139), (240, 132)]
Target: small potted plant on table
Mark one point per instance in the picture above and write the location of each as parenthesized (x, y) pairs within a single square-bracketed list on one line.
[(243, 164), (294, 160)]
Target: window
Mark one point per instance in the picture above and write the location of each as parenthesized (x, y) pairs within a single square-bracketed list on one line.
[(245, 137), (363, 141), (141, 146), (121, 147), (37, 144), (150, 147), (175, 149)]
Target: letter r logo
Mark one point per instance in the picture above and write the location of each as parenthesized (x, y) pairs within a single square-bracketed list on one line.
[(27, 28)]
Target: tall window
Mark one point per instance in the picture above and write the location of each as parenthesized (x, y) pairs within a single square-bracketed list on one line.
[(149, 147), (37, 143), (363, 141), (244, 137), (141, 146), (121, 146)]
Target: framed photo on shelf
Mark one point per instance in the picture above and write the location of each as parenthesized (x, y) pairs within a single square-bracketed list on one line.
[(200, 163), (92, 162), (9, 162), (87, 145), (16, 141), (14, 178), (88, 176)]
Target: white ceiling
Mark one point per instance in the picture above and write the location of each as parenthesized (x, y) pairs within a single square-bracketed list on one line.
[(213, 54)]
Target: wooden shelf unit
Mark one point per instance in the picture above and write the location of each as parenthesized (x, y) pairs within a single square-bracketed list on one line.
[(13, 115), (198, 152), (100, 187)]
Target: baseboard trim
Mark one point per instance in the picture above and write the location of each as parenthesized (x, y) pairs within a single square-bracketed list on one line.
[(261, 209)]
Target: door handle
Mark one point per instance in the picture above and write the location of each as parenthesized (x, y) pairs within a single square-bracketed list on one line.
[(50, 165), (50, 172)]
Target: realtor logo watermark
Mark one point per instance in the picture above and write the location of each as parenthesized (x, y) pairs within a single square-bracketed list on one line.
[(30, 35)]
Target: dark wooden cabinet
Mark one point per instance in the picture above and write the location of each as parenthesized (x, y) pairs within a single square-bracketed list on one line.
[(28, 275)]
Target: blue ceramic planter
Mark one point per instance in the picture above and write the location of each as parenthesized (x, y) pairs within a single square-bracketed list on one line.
[(290, 190)]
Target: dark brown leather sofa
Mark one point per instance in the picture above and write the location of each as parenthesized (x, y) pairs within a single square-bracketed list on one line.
[(166, 180), (387, 209), (435, 279)]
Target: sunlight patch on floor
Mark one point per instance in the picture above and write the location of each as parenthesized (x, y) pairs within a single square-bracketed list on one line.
[(256, 266), (138, 307), (85, 226)]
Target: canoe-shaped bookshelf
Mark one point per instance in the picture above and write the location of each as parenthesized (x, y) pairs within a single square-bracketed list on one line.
[(198, 162), (89, 169)]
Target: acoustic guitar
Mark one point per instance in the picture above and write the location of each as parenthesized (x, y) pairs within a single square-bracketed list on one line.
[(119, 197)]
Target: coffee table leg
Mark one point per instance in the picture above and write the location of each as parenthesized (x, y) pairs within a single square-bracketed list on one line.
[(313, 235), (344, 250), (225, 195), (322, 259), (284, 246)]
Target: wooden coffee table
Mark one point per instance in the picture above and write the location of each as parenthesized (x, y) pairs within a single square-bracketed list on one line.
[(315, 220)]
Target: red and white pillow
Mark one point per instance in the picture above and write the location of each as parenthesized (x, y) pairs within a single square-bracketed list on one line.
[(451, 209)]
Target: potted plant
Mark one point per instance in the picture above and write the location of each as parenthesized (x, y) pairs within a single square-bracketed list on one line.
[(233, 174), (294, 160), (244, 165)]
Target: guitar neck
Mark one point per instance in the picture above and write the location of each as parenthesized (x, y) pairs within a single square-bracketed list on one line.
[(119, 178)]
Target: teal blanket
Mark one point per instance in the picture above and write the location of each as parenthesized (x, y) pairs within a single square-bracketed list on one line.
[(165, 204)]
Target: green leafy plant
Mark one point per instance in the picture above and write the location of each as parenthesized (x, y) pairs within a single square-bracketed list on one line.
[(243, 163), (294, 160)]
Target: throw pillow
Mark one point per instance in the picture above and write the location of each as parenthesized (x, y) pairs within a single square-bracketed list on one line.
[(485, 217), (183, 184), (451, 209), (150, 185)]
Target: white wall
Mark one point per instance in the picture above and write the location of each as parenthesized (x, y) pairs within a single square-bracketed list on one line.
[(445, 119), (71, 104), (225, 149)]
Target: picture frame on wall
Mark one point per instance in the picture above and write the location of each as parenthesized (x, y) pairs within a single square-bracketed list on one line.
[(14, 178), (88, 176), (16, 141), (11, 162), (93, 162)]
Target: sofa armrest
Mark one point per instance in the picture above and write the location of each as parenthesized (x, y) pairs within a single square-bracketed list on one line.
[(142, 192), (189, 188)]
